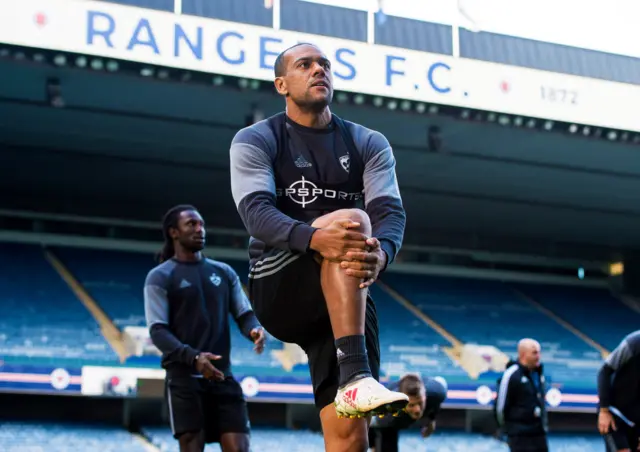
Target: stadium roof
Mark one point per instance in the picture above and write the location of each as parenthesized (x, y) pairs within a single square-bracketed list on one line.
[(143, 144)]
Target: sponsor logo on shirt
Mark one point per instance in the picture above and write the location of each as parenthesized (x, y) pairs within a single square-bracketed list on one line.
[(305, 192)]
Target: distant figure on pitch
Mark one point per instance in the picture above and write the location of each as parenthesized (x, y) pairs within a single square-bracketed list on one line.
[(520, 405), (188, 299), (298, 179), (425, 399), (619, 396)]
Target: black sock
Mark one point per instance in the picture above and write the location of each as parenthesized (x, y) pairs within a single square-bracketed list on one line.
[(352, 358)]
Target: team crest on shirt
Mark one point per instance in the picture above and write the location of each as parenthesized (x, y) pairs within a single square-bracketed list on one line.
[(344, 161), (215, 279)]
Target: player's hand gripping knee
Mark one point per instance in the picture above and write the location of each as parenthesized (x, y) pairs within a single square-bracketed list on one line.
[(204, 366), (334, 241), (366, 264)]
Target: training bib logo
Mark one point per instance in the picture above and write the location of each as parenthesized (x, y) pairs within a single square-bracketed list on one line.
[(305, 192), (344, 162), (215, 279)]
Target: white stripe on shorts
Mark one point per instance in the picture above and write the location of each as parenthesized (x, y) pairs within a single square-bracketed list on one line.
[(173, 429), (270, 258), (270, 262), (269, 269)]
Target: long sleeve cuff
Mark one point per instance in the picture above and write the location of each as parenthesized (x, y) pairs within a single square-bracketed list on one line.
[(247, 322), (389, 250), (300, 237)]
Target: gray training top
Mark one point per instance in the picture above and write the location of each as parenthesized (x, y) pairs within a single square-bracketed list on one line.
[(284, 175), (187, 307)]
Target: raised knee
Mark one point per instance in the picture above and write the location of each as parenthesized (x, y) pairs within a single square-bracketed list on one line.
[(357, 215), (361, 217)]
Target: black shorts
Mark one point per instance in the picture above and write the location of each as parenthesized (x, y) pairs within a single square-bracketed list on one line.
[(383, 439), (528, 443), (624, 437), (197, 404), (287, 298)]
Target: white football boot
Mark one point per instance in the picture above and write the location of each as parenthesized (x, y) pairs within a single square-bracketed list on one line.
[(366, 397)]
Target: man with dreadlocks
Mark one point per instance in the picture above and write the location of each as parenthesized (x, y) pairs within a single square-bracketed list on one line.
[(188, 299)]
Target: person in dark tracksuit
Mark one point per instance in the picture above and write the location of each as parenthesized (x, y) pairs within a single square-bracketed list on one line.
[(188, 299), (425, 398), (619, 396), (520, 405)]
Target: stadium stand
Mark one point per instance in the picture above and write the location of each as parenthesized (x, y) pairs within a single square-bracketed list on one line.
[(598, 311), (261, 439), (42, 319), (280, 440), (407, 344), (490, 313), (114, 279), (474, 311), (66, 437)]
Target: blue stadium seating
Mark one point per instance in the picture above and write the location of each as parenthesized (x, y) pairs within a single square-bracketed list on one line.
[(41, 317), (280, 440), (490, 313), (272, 440), (475, 311), (595, 312), (65, 437), (114, 279), (70, 437), (455, 441), (407, 344)]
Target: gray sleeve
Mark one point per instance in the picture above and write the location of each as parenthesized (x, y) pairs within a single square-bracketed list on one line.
[(156, 305), (251, 160), (240, 307), (239, 302), (380, 169), (383, 202), (254, 192), (620, 356)]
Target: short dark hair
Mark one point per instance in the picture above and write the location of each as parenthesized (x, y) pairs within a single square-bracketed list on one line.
[(280, 68), (170, 220), (411, 385)]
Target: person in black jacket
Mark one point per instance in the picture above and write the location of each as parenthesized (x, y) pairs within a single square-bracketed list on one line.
[(520, 404), (619, 396), (425, 399)]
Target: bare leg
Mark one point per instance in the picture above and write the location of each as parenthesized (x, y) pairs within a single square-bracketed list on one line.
[(346, 302), (343, 435), (358, 395), (234, 442), (192, 442)]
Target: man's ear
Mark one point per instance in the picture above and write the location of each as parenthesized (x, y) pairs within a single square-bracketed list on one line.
[(281, 86)]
